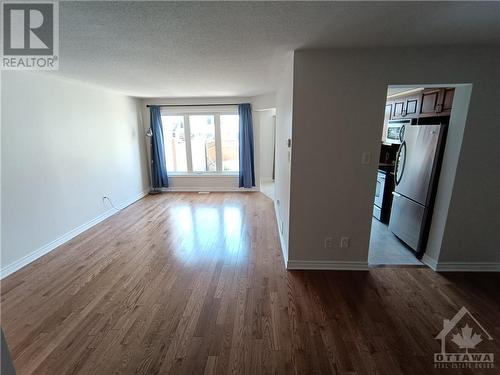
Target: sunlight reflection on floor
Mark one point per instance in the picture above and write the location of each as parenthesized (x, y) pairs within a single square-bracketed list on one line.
[(208, 232)]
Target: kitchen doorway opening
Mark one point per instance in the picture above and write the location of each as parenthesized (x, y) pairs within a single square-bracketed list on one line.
[(267, 128), (412, 144)]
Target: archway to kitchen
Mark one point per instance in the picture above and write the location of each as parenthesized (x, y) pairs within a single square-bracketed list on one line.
[(419, 147)]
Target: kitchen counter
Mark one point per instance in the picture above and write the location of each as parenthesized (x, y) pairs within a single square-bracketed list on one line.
[(386, 167)]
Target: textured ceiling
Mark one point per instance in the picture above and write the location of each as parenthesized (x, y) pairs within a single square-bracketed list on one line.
[(183, 49)]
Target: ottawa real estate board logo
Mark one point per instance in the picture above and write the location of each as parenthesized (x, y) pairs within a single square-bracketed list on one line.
[(30, 35), (463, 333)]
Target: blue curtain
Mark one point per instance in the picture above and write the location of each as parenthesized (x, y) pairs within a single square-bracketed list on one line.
[(159, 176), (247, 170)]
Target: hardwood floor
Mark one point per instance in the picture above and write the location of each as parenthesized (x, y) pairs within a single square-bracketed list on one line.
[(195, 284)]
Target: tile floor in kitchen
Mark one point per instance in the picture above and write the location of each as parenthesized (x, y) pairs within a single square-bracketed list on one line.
[(386, 248)]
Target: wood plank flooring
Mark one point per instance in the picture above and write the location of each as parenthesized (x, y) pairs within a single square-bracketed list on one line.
[(195, 284)]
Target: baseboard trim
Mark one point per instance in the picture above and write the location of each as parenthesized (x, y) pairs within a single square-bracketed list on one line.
[(209, 189), (284, 249), (266, 180), (467, 267), (326, 265), (27, 259), (460, 266), (428, 261)]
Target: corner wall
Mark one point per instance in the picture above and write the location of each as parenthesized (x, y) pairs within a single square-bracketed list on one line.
[(65, 145), (284, 109), (339, 97)]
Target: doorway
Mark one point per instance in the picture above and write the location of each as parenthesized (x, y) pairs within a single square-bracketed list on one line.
[(267, 151), (413, 138)]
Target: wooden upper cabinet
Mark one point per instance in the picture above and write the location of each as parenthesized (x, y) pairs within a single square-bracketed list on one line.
[(398, 108), (406, 106), (437, 102), (388, 112), (387, 117), (412, 105), (430, 100), (426, 103), (448, 99)]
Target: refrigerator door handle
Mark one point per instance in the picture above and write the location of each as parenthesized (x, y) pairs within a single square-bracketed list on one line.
[(401, 134), (402, 150), (396, 194)]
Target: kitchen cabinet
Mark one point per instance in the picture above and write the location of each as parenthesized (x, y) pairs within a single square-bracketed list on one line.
[(387, 117), (398, 108), (437, 102), (412, 105), (429, 102), (406, 106), (448, 100), (388, 112)]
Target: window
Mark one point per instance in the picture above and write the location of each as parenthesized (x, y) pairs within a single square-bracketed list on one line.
[(230, 142), (175, 143), (203, 149), (199, 141)]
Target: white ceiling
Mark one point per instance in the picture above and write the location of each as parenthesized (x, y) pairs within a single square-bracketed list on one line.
[(186, 49)]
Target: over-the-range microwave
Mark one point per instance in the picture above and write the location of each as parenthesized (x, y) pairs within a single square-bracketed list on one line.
[(394, 130)]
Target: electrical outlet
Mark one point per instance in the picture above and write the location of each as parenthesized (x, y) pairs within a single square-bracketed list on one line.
[(328, 243), (345, 241)]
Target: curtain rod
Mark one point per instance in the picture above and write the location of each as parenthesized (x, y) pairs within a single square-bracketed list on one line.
[(191, 105)]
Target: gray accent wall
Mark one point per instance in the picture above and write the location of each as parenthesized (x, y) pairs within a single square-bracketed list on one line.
[(338, 110)]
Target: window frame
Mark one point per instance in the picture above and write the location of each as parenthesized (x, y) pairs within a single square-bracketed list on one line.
[(203, 111)]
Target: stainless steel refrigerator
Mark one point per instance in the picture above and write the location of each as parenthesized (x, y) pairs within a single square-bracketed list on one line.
[(417, 165)]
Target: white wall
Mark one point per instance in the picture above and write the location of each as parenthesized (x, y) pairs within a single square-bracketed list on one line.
[(212, 183), (339, 98), (284, 108), (65, 145), (461, 100), (264, 101)]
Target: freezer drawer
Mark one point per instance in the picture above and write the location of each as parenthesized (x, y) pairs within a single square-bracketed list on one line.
[(407, 220)]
